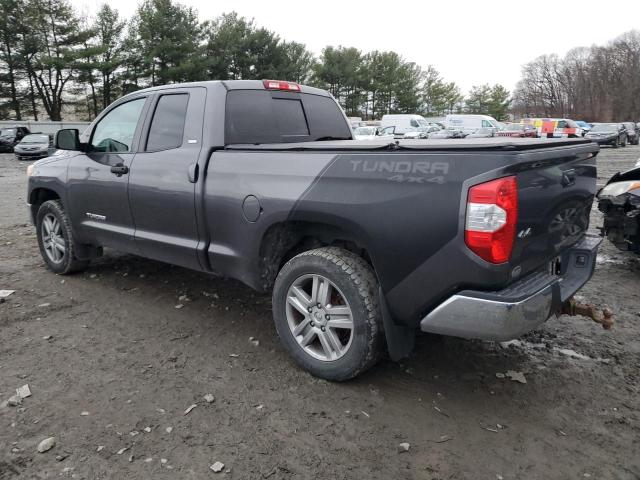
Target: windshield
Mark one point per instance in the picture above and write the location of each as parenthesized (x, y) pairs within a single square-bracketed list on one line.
[(605, 127), (422, 122), (36, 139), (7, 132), (365, 131)]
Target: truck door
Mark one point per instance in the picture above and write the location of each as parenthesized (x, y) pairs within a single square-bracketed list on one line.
[(163, 177), (97, 179)]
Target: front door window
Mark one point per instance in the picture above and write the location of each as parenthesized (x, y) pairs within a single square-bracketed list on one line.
[(114, 133)]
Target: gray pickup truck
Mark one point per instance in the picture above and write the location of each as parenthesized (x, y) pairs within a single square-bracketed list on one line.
[(360, 243)]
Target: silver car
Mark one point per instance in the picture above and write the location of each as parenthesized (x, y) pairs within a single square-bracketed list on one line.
[(483, 133), (33, 147)]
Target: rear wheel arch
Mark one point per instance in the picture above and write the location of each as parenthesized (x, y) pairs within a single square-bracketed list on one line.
[(283, 241)]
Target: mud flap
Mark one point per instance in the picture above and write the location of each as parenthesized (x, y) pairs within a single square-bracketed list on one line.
[(400, 339)]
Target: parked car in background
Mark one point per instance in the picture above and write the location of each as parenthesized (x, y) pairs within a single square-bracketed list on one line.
[(518, 130), (448, 132), (613, 134), (9, 137), (482, 133), (619, 201), (405, 123), (422, 132), (555, 127), (356, 122), (34, 146), (584, 126), (373, 133), (470, 123), (633, 135)]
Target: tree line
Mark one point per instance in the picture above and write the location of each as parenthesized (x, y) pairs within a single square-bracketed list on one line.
[(54, 62), (598, 83)]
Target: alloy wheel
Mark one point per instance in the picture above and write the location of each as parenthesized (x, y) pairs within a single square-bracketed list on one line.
[(319, 317), (55, 246)]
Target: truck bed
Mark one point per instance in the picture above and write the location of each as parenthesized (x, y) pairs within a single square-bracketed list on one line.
[(496, 143), (404, 204)]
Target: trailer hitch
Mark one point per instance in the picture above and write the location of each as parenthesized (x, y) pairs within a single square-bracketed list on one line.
[(573, 308)]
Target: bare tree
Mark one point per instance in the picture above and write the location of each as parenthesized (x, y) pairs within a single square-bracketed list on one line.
[(598, 83)]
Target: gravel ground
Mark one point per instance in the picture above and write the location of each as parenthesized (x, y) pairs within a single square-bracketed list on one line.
[(113, 366)]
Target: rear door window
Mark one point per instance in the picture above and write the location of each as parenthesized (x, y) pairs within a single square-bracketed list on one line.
[(167, 126), (261, 116)]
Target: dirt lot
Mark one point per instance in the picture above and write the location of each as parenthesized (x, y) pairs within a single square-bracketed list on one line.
[(106, 355)]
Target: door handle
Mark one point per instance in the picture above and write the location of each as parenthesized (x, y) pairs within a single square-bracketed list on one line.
[(119, 169), (193, 172)]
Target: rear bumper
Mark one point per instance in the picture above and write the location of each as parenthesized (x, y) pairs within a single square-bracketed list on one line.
[(519, 308)]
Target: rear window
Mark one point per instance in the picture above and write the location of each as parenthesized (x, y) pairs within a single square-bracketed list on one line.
[(290, 116), (261, 116)]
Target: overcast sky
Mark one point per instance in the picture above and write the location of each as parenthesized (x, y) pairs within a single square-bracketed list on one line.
[(469, 42)]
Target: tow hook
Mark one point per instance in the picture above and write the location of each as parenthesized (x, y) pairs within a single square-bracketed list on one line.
[(602, 316)]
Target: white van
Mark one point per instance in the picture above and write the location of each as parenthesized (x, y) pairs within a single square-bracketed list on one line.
[(470, 123), (405, 123)]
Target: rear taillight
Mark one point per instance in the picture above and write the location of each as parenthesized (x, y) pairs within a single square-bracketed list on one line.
[(492, 215), (280, 85)]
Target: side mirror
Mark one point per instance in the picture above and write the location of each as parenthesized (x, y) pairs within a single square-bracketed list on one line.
[(67, 139)]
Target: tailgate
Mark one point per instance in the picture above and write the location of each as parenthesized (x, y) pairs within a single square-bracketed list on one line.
[(556, 189)]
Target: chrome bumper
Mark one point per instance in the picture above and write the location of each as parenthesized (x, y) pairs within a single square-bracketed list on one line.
[(519, 308)]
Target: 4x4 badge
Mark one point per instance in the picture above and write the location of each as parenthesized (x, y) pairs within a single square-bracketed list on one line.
[(524, 233)]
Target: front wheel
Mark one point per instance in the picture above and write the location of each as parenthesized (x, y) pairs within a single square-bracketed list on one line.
[(55, 239), (326, 312)]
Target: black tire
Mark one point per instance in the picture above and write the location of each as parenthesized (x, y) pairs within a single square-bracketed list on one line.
[(357, 283), (68, 262)]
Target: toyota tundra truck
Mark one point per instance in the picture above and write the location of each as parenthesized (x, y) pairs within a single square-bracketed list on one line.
[(361, 243)]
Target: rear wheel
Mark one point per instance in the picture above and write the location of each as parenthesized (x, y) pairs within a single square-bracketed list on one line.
[(55, 239), (325, 305)]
